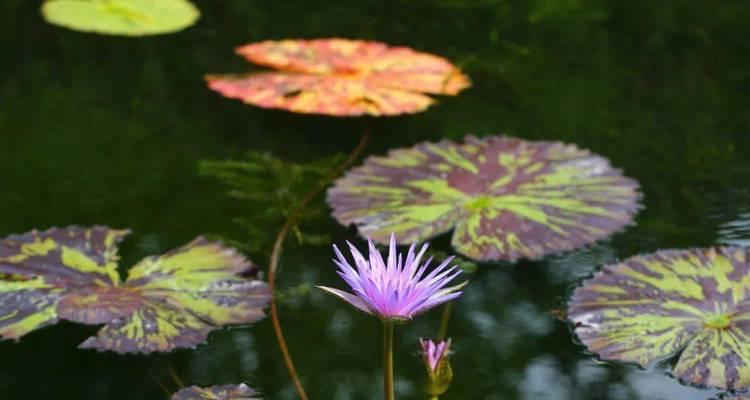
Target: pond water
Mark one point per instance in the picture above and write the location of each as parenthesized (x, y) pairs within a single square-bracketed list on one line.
[(107, 130)]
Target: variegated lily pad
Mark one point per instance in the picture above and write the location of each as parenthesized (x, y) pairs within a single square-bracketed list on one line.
[(506, 198), (340, 77), (121, 17), (168, 301), (693, 305), (218, 392)]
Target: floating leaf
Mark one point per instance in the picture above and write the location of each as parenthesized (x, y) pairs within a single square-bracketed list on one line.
[(692, 304), (340, 77), (218, 392), (168, 301), (121, 17), (506, 198)]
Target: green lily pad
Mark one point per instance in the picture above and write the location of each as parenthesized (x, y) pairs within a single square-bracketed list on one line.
[(690, 305), (121, 17), (218, 392), (168, 301), (506, 198)]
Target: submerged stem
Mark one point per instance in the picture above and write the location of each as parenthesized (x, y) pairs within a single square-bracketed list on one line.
[(161, 385), (388, 359), (278, 246), (175, 377)]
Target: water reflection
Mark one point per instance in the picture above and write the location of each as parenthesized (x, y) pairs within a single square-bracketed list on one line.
[(571, 267), (658, 386), (736, 232), (544, 378)]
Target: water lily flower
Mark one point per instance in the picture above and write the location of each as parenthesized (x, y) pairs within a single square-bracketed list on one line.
[(397, 289)]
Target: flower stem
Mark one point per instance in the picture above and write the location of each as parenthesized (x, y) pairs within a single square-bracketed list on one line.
[(444, 321), (278, 247), (388, 359)]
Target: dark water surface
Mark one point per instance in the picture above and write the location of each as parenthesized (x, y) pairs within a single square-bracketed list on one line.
[(106, 130)]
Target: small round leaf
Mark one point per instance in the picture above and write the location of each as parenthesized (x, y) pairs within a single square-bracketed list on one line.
[(121, 17)]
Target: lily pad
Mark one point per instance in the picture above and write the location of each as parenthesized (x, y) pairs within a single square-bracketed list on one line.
[(218, 392), (340, 77), (692, 306), (506, 198), (121, 17), (169, 301)]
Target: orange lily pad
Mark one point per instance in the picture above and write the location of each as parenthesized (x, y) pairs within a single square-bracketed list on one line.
[(341, 77)]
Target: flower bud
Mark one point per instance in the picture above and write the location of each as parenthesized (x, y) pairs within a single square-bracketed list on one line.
[(439, 372)]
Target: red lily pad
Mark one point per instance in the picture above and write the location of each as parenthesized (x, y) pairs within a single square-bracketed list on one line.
[(689, 305), (506, 198), (218, 392), (169, 301), (340, 77)]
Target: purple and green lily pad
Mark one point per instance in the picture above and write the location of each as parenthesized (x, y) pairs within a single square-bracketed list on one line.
[(170, 301), (505, 198), (690, 306), (218, 392)]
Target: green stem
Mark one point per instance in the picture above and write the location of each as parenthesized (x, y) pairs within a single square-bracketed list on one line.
[(388, 359), (444, 321)]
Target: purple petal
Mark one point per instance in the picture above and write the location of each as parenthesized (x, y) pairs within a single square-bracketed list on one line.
[(347, 297)]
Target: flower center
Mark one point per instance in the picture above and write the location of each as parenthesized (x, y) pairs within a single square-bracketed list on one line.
[(718, 321), (478, 203)]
